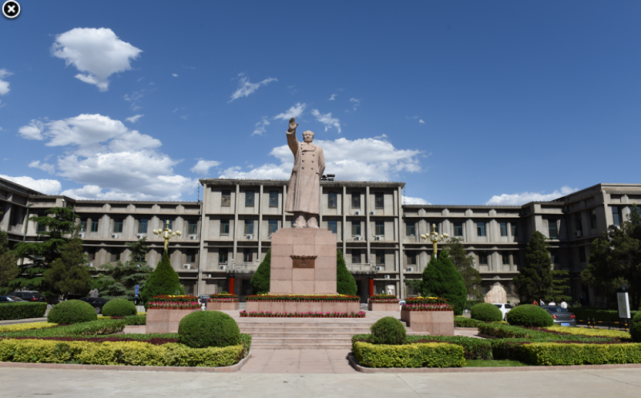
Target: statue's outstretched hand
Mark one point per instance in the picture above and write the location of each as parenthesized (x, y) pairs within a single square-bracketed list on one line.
[(292, 124)]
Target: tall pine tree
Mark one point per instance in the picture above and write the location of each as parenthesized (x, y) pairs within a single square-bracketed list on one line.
[(260, 281), (68, 275), (164, 280), (345, 282), (441, 279), (464, 264)]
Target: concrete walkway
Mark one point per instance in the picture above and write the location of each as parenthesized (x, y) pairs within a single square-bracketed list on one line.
[(298, 361), (26, 320), (622, 383)]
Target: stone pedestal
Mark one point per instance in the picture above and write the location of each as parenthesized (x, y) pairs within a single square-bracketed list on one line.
[(383, 306), (165, 321), (220, 306), (436, 323), (313, 272)]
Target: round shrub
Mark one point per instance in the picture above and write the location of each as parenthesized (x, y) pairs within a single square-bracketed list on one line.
[(388, 330), (529, 315), (208, 329), (119, 307), (487, 312), (72, 311), (635, 327)]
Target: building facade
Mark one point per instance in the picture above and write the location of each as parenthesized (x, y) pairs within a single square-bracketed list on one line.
[(227, 235)]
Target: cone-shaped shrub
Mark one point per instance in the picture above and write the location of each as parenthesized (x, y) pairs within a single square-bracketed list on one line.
[(529, 315), (119, 307), (441, 279), (388, 330), (260, 281), (164, 280), (72, 311), (345, 282), (208, 329), (487, 312), (635, 328)]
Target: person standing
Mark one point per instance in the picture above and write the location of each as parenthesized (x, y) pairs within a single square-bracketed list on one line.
[(552, 303), (564, 304), (541, 302)]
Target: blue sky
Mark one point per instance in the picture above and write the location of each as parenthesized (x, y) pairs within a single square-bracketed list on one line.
[(467, 102)]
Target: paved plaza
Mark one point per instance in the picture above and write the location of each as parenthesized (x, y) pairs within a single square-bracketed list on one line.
[(621, 383)]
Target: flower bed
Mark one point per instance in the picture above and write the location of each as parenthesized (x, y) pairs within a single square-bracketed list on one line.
[(427, 307), (303, 297), (245, 314), (383, 298), (223, 298), (426, 300), (173, 303)]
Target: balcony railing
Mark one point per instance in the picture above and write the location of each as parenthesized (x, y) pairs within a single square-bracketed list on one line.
[(361, 268)]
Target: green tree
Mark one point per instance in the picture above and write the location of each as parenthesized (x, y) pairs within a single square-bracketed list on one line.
[(615, 260), (260, 281), (9, 269), (441, 279), (464, 264), (39, 255), (120, 279), (68, 275), (345, 282), (164, 280), (537, 280)]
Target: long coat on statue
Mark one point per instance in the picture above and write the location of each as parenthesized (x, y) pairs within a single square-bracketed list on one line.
[(303, 194)]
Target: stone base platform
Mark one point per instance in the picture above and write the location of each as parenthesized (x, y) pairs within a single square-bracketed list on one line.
[(439, 323), (383, 307), (302, 306), (165, 321), (214, 306)]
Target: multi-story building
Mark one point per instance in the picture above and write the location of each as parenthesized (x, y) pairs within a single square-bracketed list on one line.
[(227, 235)]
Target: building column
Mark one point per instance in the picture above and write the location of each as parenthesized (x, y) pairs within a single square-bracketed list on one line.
[(344, 226), (365, 231), (260, 220), (236, 222)]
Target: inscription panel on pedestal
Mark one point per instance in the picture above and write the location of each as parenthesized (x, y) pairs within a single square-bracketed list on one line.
[(303, 261)]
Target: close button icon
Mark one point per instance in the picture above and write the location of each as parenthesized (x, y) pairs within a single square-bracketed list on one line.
[(11, 9)]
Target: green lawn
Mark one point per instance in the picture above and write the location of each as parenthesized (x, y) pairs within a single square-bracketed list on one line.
[(489, 363)]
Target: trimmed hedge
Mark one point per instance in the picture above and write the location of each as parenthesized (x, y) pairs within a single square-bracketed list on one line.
[(132, 353), (461, 322), (209, 329), (388, 330), (421, 355), (119, 307), (136, 320), (578, 354), (19, 310), (487, 312), (473, 348), (615, 334), (100, 327), (26, 326), (600, 314), (72, 311), (529, 315)]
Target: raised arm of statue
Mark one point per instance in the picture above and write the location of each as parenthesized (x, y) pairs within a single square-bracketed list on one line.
[(291, 136)]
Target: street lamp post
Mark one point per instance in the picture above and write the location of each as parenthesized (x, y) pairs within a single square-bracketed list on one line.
[(434, 237), (166, 234)]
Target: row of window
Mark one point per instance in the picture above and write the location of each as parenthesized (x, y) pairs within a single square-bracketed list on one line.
[(481, 229), (143, 225), (332, 199), (114, 255), (553, 229)]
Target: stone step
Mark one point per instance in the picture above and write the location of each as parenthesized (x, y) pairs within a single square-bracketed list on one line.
[(301, 340), (302, 347), (262, 329), (289, 335)]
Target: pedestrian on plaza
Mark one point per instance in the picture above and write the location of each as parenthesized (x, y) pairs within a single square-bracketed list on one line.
[(564, 304), (534, 302), (541, 302), (552, 302)]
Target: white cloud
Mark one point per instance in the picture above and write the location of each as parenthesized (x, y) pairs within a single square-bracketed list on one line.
[(98, 53), (134, 99), (356, 103), (260, 127), (111, 161), (366, 159), (408, 200), (333, 97), (421, 121), (33, 131), (245, 88), (49, 168), (203, 166), (526, 197), (134, 119), (174, 75), (4, 86), (294, 111), (327, 120), (49, 187)]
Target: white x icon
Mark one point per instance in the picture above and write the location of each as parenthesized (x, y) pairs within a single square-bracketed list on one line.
[(11, 9)]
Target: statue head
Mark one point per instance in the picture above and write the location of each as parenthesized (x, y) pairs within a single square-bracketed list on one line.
[(308, 136)]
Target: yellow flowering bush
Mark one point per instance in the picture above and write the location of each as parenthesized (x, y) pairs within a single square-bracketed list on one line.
[(590, 332), (26, 326)]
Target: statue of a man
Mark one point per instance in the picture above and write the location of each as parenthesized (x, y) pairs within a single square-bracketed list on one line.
[(303, 196)]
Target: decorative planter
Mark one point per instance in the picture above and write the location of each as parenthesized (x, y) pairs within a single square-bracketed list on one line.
[(383, 306), (165, 320), (222, 306), (302, 306), (436, 323)]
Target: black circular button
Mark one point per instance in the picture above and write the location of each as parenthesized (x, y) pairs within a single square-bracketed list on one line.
[(11, 9)]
